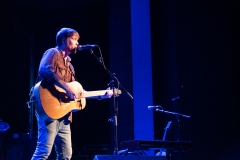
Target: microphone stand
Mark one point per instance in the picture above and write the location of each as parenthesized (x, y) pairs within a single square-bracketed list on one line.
[(178, 120), (119, 85)]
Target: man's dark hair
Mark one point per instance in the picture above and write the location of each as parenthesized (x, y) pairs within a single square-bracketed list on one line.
[(64, 33)]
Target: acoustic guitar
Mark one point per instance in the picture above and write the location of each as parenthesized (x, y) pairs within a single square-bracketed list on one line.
[(52, 101)]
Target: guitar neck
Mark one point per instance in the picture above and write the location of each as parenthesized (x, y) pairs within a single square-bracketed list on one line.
[(164, 135), (94, 93)]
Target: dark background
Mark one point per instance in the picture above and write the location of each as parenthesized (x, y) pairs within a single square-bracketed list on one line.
[(195, 55)]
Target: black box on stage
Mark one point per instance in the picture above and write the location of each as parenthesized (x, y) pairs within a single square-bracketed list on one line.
[(112, 157), (20, 147)]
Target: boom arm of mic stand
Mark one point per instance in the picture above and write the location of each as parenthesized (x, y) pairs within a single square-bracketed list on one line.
[(174, 113), (120, 85), (100, 60)]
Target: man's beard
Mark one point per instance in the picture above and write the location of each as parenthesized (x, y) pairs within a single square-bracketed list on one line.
[(74, 51)]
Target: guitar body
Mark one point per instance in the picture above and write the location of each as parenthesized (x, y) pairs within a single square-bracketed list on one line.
[(52, 101)]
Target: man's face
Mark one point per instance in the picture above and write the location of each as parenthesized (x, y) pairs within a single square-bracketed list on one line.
[(72, 43)]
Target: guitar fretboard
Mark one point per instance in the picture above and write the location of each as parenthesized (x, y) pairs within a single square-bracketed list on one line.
[(93, 93)]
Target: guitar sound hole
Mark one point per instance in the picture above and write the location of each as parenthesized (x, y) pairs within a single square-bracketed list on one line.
[(63, 97)]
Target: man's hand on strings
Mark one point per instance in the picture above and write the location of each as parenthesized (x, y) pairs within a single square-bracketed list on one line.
[(70, 93)]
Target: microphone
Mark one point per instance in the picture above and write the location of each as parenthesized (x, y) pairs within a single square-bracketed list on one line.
[(176, 98), (88, 46), (154, 107)]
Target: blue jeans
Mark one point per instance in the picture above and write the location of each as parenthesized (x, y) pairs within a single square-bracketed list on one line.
[(53, 132)]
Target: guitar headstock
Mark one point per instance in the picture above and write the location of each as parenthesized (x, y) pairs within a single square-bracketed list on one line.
[(116, 92), (168, 125)]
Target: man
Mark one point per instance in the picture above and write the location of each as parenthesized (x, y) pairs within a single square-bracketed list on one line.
[(55, 69)]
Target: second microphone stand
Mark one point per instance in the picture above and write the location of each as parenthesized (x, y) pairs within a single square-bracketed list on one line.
[(178, 115)]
